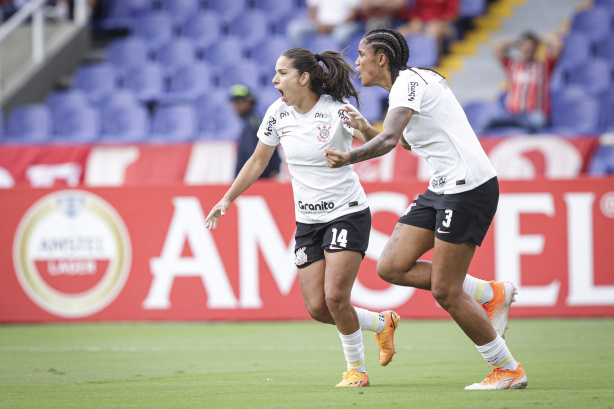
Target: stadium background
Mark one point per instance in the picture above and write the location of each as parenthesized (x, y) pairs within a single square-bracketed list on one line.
[(106, 182)]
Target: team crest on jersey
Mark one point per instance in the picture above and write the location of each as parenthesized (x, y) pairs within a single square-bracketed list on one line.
[(324, 134), (301, 257)]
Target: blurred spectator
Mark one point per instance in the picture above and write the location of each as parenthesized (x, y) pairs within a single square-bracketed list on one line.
[(527, 103), (243, 101), (338, 18), (435, 18), (382, 13)]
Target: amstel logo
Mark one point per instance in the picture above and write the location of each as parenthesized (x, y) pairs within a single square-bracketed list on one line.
[(72, 253)]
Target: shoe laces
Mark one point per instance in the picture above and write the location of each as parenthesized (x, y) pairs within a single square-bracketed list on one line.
[(495, 375), (352, 375)]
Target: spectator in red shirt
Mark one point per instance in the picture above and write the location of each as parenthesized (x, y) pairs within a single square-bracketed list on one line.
[(435, 18), (527, 103), (382, 13)]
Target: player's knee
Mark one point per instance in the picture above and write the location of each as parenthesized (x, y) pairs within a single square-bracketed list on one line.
[(443, 295), (336, 300), (386, 270), (319, 313)]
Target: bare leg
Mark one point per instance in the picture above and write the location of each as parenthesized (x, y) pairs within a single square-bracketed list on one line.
[(341, 270), (311, 279)]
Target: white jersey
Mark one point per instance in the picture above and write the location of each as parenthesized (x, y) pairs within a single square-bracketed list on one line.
[(321, 194), (440, 132)]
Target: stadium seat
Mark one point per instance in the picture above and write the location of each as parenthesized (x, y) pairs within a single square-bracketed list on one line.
[(217, 118), (246, 72), (352, 48), (472, 8), (76, 124), (321, 42), (609, 4), (479, 113), (371, 103), (155, 29), (96, 80), (145, 81), (66, 98), (605, 49), (228, 10), (120, 14), (203, 29), (595, 23), (279, 12), (225, 52), (606, 115), (576, 51), (29, 124), (127, 53), (594, 76), (265, 96), (123, 118), (178, 52), (268, 51), (180, 10), (602, 162), (574, 112), (423, 51), (188, 83), (251, 27), (174, 123)]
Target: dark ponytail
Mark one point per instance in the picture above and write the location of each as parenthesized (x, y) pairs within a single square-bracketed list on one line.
[(333, 77)]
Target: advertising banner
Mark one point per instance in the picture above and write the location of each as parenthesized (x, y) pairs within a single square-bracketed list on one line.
[(143, 253)]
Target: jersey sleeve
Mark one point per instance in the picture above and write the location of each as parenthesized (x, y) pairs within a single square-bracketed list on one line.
[(407, 92), (267, 132), (343, 116)]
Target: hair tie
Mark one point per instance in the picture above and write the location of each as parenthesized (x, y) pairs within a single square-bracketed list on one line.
[(318, 58)]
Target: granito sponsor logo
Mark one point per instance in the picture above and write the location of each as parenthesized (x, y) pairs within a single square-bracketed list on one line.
[(269, 126), (316, 208), (438, 182), (411, 89), (323, 115)]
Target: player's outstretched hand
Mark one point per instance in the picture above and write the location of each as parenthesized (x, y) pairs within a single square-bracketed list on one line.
[(336, 158), (356, 121), (215, 214)]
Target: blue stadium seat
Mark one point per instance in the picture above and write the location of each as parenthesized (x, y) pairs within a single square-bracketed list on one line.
[(479, 113), (155, 29), (180, 10), (120, 14), (605, 49), (268, 51), (252, 27), (76, 124), (203, 29), (228, 10), (246, 72), (352, 48), (371, 99), (96, 80), (265, 96), (126, 53), (124, 119), (29, 124), (472, 8), (595, 22), (279, 12), (609, 4), (217, 118), (176, 53), (423, 51), (602, 162), (574, 112), (145, 81), (321, 42), (66, 98), (576, 51), (188, 83), (225, 52), (594, 76), (606, 116), (174, 123)]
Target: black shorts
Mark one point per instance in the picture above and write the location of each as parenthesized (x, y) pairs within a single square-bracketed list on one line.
[(349, 232), (458, 217)]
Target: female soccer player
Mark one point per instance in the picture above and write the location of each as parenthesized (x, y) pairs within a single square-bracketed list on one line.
[(454, 213), (333, 220)]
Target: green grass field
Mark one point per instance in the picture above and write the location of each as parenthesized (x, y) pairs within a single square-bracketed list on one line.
[(569, 363)]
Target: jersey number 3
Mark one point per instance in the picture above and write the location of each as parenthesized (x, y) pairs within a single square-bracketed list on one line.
[(342, 238), (448, 220)]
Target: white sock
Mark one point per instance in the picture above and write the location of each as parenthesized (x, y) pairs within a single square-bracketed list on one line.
[(354, 351), (480, 290), (370, 321), (498, 355)]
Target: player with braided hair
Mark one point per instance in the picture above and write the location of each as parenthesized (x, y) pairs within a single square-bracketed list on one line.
[(333, 220), (453, 214)]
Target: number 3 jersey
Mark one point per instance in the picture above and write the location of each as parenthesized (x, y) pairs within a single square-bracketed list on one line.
[(321, 194)]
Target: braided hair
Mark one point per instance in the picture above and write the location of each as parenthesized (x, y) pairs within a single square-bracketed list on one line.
[(333, 77), (394, 45)]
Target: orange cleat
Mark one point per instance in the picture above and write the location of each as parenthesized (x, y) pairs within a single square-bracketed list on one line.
[(498, 308), (502, 379), (353, 379), (385, 339)]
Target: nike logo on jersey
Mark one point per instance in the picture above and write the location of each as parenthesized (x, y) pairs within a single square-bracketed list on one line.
[(441, 231), (285, 132)]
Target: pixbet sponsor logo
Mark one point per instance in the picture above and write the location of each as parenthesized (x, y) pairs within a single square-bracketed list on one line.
[(72, 253)]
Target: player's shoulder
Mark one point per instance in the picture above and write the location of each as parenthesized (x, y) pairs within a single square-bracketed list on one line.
[(277, 107)]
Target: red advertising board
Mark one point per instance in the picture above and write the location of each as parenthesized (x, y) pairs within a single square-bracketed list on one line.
[(143, 253)]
